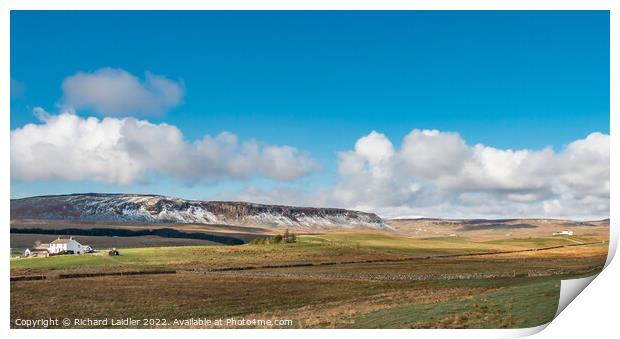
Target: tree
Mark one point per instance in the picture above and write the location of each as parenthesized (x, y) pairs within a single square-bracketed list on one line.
[(277, 239)]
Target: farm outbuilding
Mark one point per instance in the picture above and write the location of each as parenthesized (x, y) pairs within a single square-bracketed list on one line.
[(40, 250)]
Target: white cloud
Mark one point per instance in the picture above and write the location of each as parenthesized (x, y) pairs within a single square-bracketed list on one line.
[(115, 92), (123, 151), (432, 154), (437, 174), (375, 148)]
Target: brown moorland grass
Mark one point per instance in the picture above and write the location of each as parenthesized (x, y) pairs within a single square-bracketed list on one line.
[(421, 228), (310, 302), (178, 296)]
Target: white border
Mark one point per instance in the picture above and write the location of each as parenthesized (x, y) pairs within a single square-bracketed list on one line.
[(599, 312), (316, 4)]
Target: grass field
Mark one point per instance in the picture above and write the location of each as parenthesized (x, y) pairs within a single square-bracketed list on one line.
[(340, 280), (332, 247), (308, 302), (523, 304)]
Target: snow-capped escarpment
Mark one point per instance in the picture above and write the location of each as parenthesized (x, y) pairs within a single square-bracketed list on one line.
[(160, 209)]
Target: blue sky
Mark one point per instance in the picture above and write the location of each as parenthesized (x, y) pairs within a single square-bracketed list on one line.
[(319, 81)]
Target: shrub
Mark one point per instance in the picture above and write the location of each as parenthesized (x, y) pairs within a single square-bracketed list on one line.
[(289, 237), (258, 241), (277, 239)]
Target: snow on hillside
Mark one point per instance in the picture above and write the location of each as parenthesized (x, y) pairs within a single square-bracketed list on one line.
[(160, 209)]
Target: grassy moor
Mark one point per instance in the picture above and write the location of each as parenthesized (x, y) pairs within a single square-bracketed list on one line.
[(335, 279)]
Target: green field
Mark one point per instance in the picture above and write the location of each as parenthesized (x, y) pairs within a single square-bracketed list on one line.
[(341, 280), (522, 304), (334, 247)]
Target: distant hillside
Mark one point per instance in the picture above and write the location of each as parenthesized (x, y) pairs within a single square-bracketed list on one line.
[(480, 224), (161, 209), (495, 228)]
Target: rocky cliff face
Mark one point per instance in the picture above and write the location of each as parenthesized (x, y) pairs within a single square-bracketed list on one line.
[(160, 209)]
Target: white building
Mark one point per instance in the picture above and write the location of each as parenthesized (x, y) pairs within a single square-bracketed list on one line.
[(565, 232), (67, 245)]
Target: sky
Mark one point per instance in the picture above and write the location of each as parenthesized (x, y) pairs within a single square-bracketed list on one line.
[(407, 113)]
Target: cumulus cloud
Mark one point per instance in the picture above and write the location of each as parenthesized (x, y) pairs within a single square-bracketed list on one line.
[(116, 92), (124, 151), (437, 174)]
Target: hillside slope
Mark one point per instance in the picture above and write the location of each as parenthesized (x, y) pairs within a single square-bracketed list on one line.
[(161, 209)]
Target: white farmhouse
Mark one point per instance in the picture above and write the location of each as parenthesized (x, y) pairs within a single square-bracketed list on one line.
[(565, 232), (66, 245)]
